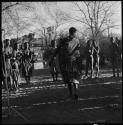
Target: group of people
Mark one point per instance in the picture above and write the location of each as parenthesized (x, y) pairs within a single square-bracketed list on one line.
[(16, 61), (68, 54)]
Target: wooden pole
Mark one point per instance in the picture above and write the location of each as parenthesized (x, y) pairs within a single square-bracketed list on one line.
[(4, 66)]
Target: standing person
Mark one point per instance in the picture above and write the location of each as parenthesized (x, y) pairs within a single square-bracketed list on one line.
[(89, 57), (54, 65), (68, 51), (114, 55), (18, 58), (8, 55), (14, 74), (119, 44), (96, 57), (27, 62), (47, 56), (15, 68), (53, 43)]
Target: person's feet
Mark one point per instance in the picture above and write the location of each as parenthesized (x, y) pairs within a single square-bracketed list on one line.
[(72, 97)]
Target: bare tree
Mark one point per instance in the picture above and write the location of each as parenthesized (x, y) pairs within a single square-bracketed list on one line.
[(11, 21), (41, 28), (95, 15), (59, 16)]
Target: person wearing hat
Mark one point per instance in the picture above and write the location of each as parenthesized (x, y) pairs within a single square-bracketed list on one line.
[(68, 51)]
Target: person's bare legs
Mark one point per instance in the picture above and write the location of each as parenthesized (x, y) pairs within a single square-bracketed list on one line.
[(70, 90), (92, 66), (75, 86)]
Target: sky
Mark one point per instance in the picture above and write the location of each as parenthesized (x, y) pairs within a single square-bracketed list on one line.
[(117, 18), (47, 20)]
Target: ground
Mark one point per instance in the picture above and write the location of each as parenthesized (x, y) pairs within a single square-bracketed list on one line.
[(43, 101)]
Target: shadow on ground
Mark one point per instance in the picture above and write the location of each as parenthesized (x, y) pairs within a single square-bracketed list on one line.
[(43, 101)]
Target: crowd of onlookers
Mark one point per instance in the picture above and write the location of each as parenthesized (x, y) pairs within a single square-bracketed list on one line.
[(17, 61)]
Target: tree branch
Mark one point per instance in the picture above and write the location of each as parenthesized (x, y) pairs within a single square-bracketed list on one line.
[(109, 27), (83, 13), (87, 5), (10, 6)]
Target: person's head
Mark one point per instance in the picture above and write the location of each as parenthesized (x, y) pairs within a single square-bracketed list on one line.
[(93, 42), (26, 45), (111, 39), (15, 46), (89, 42), (72, 32), (116, 40), (52, 43), (7, 43)]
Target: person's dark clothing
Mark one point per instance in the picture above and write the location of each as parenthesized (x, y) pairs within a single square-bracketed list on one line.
[(27, 63), (67, 50), (114, 56), (89, 57)]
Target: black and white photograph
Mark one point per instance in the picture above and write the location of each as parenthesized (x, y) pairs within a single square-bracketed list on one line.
[(61, 62)]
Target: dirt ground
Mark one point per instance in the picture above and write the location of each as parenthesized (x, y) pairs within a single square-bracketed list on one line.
[(43, 101)]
